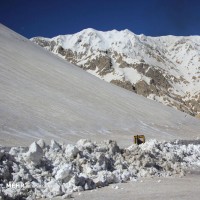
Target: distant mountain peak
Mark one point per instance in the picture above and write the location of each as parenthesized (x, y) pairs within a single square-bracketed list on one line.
[(165, 69)]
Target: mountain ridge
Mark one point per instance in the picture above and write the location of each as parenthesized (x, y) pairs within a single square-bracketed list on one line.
[(163, 68)]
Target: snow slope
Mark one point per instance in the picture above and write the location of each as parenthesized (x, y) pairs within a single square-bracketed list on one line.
[(166, 69), (43, 96)]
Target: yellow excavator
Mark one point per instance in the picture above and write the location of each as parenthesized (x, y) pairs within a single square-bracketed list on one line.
[(139, 139)]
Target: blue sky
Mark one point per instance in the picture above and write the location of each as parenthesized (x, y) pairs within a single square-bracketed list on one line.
[(49, 18)]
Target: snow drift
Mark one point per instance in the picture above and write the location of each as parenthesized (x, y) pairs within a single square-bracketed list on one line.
[(46, 171)]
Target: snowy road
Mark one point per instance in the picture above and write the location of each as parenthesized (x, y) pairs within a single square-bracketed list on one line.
[(184, 188)]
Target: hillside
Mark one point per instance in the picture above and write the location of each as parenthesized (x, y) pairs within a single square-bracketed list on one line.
[(44, 96)]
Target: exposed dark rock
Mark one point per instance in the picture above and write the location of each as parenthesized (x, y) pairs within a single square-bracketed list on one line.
[(198, 116), (102, 62), (158, 78), (124, 84), (141, 67), (61, 51), (44, 43), (144, 89)]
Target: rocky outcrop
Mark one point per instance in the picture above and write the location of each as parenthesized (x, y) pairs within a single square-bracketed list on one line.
[(46, 44), (157, 78), (144, 89), (103, 63), (124, 84), (198, 116)]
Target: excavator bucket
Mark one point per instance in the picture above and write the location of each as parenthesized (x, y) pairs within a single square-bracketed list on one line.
[(139, 139)]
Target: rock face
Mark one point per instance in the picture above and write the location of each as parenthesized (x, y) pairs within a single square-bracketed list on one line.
[(88, 165), (165, 69)]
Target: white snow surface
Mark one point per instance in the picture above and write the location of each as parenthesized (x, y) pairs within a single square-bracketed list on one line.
[(43, 96)]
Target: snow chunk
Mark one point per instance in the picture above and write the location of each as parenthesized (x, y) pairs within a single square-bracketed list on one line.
[(55, 146), (64, 173), (53, 189), (71, 151), (34, 154), (85, 144), (41, 143)]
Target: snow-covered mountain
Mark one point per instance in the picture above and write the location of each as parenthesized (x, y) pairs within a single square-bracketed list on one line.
[(44, 96), (165, 69)]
